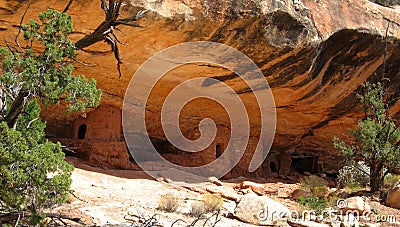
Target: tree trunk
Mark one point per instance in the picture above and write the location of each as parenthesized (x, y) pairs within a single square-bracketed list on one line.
[(97, 36), (16, 109), (376, 177)]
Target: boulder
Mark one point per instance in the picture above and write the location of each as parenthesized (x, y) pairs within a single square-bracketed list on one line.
[(296, 194), (194, 188), (224, 192), (245, 191), (228, 208), (261, 210), (393, 197), (358, 204), (259, 189), (215, 181)]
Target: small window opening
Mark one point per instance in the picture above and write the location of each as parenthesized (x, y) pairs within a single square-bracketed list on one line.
[(219, 149), (82, 132), (273, 167)]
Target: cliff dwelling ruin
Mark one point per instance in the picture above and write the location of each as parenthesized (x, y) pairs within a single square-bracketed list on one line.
[(98, 138), (313, 63)]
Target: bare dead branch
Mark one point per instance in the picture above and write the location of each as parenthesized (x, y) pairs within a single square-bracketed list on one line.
[(82, 63), (67, 7), (116, 38), (111, 10), (128, 24), (72, 192), (217, 219), (385, 52), (105, 31), (177, 221), (115, 49), (16, 217), (59, 219), (31, 122), (10, 48), (20, 27), (65, 217), (104, 6), (117, 9)]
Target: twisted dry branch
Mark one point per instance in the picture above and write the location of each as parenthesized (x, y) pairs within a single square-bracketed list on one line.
[(105, 31)]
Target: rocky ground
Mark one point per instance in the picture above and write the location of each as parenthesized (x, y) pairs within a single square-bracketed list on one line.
[(121, 198)]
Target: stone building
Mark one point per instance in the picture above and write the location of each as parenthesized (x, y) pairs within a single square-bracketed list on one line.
[(98, 138)]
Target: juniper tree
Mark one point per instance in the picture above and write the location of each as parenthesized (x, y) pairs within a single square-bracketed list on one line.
[(33, 173), (43, 70), (375, 140)]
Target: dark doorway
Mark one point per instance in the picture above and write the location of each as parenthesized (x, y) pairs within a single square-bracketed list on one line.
[(82, 132), (219, 149), (304, 164), (273, 167)]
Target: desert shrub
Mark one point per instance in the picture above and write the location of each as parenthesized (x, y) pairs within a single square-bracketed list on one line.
[(332, 199), (197, 208), (353, 187), (212, 202), (387, 2), (316, 185), (391, 180), (354, 175), (169, 203), (314, 203), (301, 210)]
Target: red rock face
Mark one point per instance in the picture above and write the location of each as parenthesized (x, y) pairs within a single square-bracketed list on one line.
[(314, 54)]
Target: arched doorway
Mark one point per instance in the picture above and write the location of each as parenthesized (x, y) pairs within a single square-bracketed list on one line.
[(273, 167), (219, 149), (82, 131)]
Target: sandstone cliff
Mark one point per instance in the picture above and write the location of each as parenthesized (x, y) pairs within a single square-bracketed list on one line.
[(315, 54)]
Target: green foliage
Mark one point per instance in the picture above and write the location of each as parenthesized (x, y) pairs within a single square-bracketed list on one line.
[(387, 2), (390, 181), (169, 203), (48, 74), (375, 137), (316, 185), (354, 175), (314, 203), (212, 202), (332, 200), (353, 187), (34, 174)]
